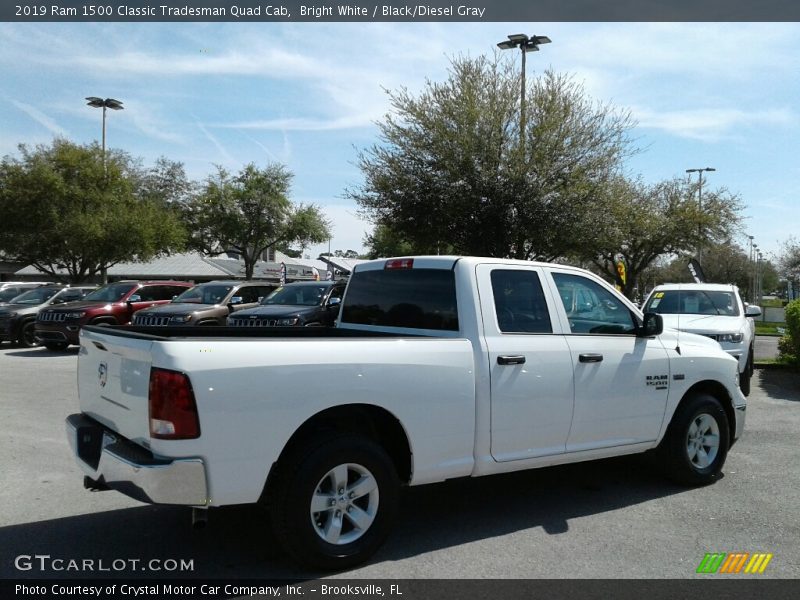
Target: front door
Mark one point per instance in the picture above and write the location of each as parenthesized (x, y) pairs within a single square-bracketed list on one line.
[(621, 380)]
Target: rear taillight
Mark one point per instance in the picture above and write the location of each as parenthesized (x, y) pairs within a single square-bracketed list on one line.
[(173, 410)]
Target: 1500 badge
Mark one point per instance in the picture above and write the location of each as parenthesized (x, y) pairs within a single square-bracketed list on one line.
[(660, 382)]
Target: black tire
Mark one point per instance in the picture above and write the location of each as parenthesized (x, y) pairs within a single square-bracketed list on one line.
[(744, 378), (306, 473), (56, 346), (686, 452), (27, 335)]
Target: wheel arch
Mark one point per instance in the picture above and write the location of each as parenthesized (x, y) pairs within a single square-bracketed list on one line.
[(718, 391), (375, 422)]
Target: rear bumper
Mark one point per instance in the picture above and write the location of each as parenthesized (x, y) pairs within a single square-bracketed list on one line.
[(110, 459)]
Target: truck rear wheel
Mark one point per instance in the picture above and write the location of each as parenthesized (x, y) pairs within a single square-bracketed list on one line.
[(696, 443), (333, 502)]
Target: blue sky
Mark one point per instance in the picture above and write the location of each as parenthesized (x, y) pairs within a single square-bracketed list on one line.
[(308, 94)]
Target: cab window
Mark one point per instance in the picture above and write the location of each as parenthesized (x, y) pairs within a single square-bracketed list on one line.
[(519, 302), (592, 309)]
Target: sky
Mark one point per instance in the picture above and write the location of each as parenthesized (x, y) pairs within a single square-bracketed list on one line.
[(308, 95)]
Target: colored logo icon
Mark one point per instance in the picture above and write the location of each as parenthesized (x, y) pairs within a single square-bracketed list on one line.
[(735, 562)]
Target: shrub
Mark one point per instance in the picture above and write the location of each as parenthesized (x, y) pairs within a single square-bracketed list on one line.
[(789, 344)]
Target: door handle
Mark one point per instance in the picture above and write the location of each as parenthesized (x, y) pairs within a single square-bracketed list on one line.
[(590, 358), (510, 360)]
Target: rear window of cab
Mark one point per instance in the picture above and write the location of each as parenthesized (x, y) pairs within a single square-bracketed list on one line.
[(410, 298)]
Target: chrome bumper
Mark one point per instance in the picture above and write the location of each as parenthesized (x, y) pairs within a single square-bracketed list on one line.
[(116, 462)]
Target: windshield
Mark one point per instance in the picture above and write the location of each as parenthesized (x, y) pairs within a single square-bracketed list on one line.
[(36, 296), (9, 294), (297, 295), (113, 292), (693, 302), (205, 294)]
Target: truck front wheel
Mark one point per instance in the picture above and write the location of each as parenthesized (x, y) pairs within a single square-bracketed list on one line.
[(333, 502), (696, 443)]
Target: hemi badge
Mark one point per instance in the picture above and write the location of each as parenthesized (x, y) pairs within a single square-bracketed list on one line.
[(679, 377)]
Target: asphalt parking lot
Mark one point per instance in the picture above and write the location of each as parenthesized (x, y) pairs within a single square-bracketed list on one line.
[(611, 519)]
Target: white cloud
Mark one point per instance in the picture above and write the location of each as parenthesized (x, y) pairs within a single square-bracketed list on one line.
[(711, 125), (225, 154), (45, 121)]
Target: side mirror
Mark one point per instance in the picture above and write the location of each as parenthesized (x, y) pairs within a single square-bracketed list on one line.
[(335, 303), (235, 300), (653, 324), (753, 311), (135, 298)]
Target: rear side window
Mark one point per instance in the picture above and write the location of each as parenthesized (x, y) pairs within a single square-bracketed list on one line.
[(414, 298), (519, 302)]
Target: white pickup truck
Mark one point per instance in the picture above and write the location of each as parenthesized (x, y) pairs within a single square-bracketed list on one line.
[(439, 367), (714, 310)]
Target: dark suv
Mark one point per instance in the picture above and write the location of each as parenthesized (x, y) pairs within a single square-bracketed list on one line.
[(113, 304), (17, 320), (206, 304), (304, 303)]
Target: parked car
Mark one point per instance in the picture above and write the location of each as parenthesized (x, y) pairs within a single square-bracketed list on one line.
[(11, 289), (438, 368), (299, 304), (113, 304), (206, 304), (18, 319), (715, 311)]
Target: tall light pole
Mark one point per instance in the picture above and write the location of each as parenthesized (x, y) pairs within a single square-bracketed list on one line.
[(525, 44), (700, 203), (96, 102), (751, 274), (755, 272)]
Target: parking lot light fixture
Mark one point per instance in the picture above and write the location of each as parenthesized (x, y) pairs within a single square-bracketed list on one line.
[(525, 44), (111, 103)]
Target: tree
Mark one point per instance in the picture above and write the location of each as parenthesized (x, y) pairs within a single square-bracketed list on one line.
[(63, 211), (450, 174), (640, 223), (250, 212)]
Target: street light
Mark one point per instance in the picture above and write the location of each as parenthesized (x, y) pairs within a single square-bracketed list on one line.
[(755, 272), (96, 102), (700, 202), (751, 268), (525, 44)]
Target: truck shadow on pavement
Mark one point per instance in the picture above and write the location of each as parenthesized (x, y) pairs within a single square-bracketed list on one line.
[(780, 384), (236, 543)]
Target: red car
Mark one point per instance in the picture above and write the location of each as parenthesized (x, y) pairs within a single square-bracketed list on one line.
[(112, 304)]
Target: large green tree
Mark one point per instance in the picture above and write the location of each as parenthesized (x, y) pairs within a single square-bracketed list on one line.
[(450, 171), (250, 212), (640, 223), (63, 210)]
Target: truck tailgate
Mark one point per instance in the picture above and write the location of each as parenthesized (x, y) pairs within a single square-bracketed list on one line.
[(113, 382)]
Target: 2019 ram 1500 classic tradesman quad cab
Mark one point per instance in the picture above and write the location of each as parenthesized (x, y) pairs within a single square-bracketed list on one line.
[(113, 304), (205, 304), (439, 367), (714, 310)]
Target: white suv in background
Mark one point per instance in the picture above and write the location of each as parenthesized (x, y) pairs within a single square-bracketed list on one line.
[(714, 310)]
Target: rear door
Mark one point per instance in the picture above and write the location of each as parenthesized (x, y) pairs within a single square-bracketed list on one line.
[(530, 364)]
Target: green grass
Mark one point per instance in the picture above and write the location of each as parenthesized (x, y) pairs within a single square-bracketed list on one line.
[(767, 328), (777, 303)]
